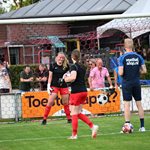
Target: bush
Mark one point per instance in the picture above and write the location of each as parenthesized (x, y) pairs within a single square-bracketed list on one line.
[(147, 76)]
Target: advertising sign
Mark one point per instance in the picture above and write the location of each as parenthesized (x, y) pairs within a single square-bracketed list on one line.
[(97, 102)]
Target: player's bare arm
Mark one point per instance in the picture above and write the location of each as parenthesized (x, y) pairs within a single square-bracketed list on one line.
[(115, 78), (72, 77), (121, 70), (49, 89), (50, 77)]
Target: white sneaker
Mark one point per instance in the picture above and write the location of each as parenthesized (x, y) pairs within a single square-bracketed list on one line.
[(73, 137), (142, 129), (94, 131)]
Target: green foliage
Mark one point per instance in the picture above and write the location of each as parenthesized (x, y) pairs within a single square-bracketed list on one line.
[(2, 10), (15, 74), (22, 3), (16, 4), (147, 76)]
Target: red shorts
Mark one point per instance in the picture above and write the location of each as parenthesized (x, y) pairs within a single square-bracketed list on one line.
[(63, 91), (78, 98)]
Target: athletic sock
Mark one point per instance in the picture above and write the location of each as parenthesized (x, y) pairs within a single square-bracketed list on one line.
[(67, 111), (85, 119), (142, 122), (127, 121), (47, 110), (74, 124)]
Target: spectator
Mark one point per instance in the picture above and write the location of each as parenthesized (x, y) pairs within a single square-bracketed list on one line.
[(92, 65), (5, 83), (26, 77), (42, 77), (97, 76), (56, 72)]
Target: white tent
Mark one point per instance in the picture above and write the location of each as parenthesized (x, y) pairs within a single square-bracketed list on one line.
[(132, 27)]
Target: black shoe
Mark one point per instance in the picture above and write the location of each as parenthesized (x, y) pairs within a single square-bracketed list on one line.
[(44, 122), (69, 121)]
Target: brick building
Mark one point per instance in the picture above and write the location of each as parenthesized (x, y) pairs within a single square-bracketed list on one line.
[(21, 43), (15, 40)]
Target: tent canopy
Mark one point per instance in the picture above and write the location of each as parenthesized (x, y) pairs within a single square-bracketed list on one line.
[(132, 27), (53, 40)]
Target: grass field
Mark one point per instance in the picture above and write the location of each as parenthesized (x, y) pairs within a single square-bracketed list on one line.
[(53, 136)]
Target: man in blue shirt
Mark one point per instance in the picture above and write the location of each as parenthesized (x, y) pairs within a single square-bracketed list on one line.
[(131, 65)]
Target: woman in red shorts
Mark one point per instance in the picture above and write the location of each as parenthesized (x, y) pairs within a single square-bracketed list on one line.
[(78, 95), (56, 72)]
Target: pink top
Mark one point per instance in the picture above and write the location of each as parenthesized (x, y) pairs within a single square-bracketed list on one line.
[(98, 77)]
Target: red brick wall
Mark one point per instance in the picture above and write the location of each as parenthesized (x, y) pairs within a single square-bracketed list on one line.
[(20, 32), (3, 32), (3, 35)]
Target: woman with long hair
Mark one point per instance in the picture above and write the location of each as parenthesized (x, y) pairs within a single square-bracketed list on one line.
[(56, 71), (92, 65), (78, 95)]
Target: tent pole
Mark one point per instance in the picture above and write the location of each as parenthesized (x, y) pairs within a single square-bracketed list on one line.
[(130, 33), (98, 43), (149, 40)]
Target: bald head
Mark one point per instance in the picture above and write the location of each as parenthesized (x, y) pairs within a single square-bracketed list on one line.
[(128, 43)]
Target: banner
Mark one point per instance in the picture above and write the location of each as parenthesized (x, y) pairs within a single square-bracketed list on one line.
[(97, 102)]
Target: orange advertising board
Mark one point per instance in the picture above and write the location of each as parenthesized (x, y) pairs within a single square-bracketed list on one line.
[(97, 102)]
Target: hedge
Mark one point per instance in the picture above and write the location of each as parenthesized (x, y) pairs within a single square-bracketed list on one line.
[(147, 76), (16, 69)]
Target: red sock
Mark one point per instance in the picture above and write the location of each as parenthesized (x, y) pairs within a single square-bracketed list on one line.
[(47, 110), (74, 124), (67, 111), (85, 119)]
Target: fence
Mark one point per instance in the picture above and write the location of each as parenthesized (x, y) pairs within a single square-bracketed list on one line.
[(15, 106), (10, 106)]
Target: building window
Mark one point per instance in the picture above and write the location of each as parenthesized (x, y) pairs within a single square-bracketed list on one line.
[(14, 56)]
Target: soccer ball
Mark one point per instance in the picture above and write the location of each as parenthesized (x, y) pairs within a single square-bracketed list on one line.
[(127, 128), (67, 74), (102, 99)]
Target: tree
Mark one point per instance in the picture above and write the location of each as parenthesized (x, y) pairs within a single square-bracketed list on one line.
[(16, 4), (2, 9)]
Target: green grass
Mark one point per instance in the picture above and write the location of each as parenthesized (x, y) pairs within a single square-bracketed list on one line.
[(53, 136)]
